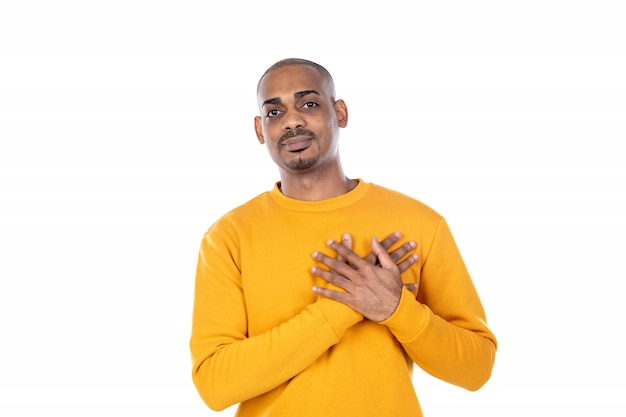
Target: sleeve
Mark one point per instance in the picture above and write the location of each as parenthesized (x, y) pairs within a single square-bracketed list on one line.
[(229, 367), (444, 330)]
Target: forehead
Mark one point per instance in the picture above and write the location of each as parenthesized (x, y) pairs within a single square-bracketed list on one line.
[(285, 81)]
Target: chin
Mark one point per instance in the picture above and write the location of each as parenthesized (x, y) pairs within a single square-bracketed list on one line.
[(300, 164)]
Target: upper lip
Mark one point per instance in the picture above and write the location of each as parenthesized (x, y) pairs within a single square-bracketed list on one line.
[(296, 135), (294, 139)]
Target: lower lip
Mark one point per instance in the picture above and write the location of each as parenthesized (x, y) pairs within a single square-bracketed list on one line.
[(297, 145)]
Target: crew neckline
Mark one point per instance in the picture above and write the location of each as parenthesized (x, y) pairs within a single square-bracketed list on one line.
[(323, 205)]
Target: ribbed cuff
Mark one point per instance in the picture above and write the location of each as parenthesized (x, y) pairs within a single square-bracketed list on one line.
[(339, 316), (409, 318)]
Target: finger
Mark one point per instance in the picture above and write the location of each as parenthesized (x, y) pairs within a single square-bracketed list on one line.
[(399, 253), (383, 257), (342, 297), (339, 267), (347, 254), (407, 263), (332, 278), (386, 243), (390, 240), (346, 240)]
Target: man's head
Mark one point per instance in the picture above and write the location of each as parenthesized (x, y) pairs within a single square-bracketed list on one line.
[(299, 117)]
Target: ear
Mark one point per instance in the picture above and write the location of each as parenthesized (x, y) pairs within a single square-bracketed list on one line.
[(342, 113), (259, 129)]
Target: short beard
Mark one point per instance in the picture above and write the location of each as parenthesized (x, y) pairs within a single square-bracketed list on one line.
[(300, 164)]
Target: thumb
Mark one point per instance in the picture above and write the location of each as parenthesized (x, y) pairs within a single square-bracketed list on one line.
[(383, 257)]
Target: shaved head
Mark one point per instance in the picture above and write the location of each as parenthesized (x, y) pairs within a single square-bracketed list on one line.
[(299, 61)]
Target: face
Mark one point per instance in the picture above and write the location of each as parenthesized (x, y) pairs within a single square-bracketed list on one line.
[(299, 119)]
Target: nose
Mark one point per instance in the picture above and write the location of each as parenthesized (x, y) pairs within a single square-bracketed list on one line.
[(293, 120)]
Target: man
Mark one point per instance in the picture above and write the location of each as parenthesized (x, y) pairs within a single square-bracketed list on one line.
[(286, 326)]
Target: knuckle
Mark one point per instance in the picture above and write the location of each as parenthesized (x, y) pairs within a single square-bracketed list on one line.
[(367, 270)]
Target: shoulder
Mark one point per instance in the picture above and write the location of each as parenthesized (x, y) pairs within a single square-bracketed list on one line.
[(225, 234), (394, 199), (241, 215)]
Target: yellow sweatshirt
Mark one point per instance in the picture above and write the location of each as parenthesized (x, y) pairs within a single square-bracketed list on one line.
[(262, 338)]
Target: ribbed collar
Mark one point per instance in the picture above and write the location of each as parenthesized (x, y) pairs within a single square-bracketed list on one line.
[(330, 204)]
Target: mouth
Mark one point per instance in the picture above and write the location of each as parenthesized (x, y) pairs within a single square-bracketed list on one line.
[(297, 143)]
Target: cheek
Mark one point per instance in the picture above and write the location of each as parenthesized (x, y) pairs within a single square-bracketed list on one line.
[(271, 131)]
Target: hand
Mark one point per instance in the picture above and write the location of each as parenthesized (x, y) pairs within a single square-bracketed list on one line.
[(396, 255), (372, 290)]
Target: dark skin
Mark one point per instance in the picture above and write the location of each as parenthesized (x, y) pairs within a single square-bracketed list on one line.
[(300, 123), (372, 290), (396, 255)]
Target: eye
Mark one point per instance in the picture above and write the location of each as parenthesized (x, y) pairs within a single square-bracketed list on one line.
[(272, 113), (310, 105)]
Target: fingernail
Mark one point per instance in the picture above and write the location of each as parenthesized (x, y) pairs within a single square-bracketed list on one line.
[(345, 236), (330, 242), (412, 244)]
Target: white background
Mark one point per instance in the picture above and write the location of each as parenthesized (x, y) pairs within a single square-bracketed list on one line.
[(126, 130)]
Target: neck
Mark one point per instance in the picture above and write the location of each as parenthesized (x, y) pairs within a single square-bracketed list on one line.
[(313, 187)]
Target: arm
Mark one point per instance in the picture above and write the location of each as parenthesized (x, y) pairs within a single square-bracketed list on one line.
[(228, 365), (445, 332)]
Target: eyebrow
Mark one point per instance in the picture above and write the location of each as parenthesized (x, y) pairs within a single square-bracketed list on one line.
[(297, 95), (301, 94)]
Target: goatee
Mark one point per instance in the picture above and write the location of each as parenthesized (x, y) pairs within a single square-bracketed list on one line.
[(300, 164)]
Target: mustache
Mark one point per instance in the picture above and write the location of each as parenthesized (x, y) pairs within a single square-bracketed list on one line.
[(294, 133)]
